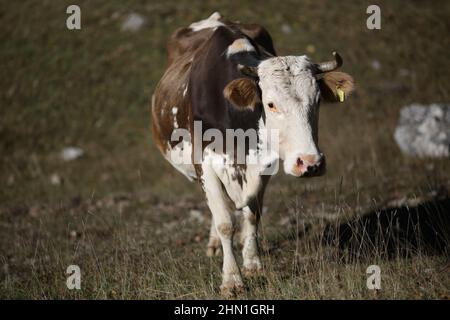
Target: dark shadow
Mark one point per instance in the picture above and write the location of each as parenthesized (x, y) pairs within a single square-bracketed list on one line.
[(397, 231)]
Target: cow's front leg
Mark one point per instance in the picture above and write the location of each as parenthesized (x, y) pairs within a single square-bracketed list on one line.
[(250, 251), (214, 247), (223, 219)]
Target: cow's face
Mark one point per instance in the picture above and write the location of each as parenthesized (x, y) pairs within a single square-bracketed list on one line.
[(290, 89), (290, 97)]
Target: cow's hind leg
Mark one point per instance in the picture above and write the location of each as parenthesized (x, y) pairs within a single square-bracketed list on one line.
[(250, 251), (223, 219), (214, 246)]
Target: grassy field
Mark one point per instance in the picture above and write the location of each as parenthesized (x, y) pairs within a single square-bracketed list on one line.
[(128, 219)]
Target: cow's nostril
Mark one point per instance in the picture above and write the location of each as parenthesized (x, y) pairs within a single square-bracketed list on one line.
[(299, 162)]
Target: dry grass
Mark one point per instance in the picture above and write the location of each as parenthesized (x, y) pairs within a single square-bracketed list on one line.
[(122, 213)]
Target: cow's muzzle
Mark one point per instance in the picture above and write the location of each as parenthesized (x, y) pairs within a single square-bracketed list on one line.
[(309, 166)]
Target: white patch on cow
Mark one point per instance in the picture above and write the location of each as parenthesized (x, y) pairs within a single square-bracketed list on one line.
[(290, 85), (174, 113), (250, 253), (180, 157), (227, 174), (185, 89), (240, 45), (211, 22)]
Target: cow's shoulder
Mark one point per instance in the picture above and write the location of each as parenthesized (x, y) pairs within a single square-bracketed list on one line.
[(186, 41)]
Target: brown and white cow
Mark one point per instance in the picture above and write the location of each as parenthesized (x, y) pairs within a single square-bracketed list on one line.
[(227, 76)]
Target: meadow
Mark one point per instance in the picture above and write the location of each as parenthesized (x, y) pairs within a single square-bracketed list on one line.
[(138, 229)]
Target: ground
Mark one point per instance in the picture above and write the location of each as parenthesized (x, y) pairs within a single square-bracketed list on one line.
[(138, 229)]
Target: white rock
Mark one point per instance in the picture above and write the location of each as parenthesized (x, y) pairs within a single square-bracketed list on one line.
[(404, 72), (133, 22), (196, 215), (286, 29), (376, 65), (424, 131), (55, 179), (71, 153)]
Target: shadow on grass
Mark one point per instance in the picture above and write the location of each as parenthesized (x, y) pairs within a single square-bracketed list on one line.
[(395, 231)]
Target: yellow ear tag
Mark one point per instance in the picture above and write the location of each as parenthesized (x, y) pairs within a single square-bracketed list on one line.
[(341, 94)]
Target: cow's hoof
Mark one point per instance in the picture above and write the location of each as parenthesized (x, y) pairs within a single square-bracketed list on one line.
[(214, 248), (232, 289), (252, 270), (213, 251)]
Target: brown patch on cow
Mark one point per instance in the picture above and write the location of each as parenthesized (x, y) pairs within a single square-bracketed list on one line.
[(185, 40), (166, 98), (332, 81), (242, 93), (251, 72), (226, 229), (169, 93), (157, 138)]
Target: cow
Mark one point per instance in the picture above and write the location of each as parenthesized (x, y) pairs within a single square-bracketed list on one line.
[(227, 76)]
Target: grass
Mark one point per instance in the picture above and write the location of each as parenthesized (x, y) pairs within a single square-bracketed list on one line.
[(122, 213)]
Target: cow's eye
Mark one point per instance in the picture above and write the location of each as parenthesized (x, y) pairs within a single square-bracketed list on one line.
[(272, 107)]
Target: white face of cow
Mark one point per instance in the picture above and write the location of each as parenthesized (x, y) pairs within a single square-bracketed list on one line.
[(290, 87), (290, 95)]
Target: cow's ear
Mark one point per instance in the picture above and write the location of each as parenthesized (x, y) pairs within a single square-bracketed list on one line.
[(336, 86), (242, 93)]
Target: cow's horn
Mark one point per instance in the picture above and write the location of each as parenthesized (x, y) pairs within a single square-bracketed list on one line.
[(330, 65)]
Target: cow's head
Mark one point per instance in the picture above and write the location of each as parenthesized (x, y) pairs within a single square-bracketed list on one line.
[(289, 88)]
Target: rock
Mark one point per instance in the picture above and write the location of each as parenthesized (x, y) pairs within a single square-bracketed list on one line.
[(133, 22), (196, 215), (375, 64), (404, 72), (71, 153), (286, 29), (284, 221), (424, 131), (55, 179)]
